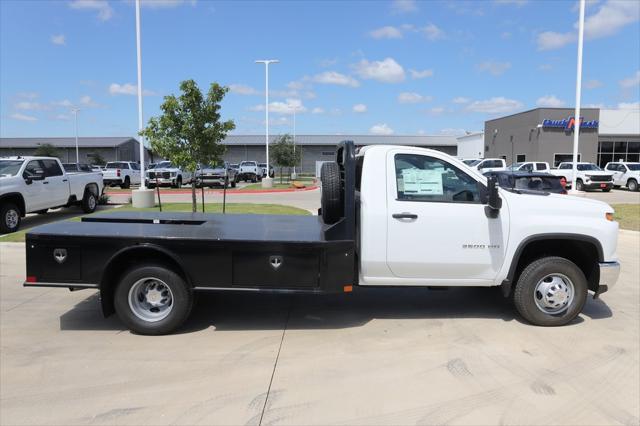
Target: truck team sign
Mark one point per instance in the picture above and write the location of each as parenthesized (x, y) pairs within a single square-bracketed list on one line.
[(568, 124)]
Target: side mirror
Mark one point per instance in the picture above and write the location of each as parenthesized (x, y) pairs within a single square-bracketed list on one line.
[(494, 203)]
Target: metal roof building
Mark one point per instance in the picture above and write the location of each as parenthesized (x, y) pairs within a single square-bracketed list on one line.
[(108, 148)]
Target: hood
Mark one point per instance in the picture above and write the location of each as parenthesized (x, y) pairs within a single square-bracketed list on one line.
[(596, 173), (213, 170), (164, 169), (557, 205)]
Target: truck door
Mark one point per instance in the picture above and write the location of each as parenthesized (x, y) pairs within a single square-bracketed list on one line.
[(618, 171), (56, 183), (438, 231), (35, 196)]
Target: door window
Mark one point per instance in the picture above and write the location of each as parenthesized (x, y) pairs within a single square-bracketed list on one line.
[(423, 178), (541, 166), (528, 167), (52, 168), (34, 168)]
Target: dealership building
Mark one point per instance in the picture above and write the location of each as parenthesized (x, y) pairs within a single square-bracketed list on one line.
[(546, 134)]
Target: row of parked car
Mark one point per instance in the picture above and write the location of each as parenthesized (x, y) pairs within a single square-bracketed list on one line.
[(538, 174)]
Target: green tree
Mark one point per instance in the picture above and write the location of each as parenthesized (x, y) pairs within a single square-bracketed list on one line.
[(47, 150), (189, 131), (96, 159), (284, 154)]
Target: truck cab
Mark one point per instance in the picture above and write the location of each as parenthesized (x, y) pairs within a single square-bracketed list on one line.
[(625, 174)]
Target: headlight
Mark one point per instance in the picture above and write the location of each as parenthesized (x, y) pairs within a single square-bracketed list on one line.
[(173, 174)]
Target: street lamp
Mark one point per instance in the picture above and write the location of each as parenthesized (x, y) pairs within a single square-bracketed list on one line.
[(141, 197), (576, 126), (295, 108), (75, 110), (267, 181)]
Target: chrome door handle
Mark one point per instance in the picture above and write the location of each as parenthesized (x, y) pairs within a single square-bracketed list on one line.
[(45, 182), (404, 215)]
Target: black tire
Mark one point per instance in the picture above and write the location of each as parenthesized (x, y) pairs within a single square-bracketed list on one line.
[(331, 198), (579, 185), (254, 179), (632, 184), (525, 294), (43, 211), (126, 184), (182, 300), (233, 183), (89, 201), (606, 190), (10, 218)]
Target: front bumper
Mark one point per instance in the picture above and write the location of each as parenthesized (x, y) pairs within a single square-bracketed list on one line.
[(609, 272), (210, 180), (160, 181), (598, 185)]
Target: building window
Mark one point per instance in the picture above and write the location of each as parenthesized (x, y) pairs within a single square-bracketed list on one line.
[(328, 153), (521, 158), (609, 151), (564, 158)]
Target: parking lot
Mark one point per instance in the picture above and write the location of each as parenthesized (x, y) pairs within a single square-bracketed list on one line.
[(409, 356)]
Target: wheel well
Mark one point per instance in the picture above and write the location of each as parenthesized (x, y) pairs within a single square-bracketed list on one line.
[(123, 261), (584, 254), (93, 188), (16, 199), (631, 179)]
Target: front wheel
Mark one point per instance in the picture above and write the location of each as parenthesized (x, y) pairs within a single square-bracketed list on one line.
[(632, 185), (579, 185), (10, 218), (153, 300), (551, 291), (126, 184)]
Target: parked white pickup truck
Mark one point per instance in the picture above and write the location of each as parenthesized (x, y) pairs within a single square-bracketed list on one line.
[(166, 174), (625, 174), (487, 164), (530, 166), (250, 171), (122, 173), (589, 176), (391, 216), (36, 184)]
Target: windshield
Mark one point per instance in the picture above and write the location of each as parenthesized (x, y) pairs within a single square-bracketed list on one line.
[(470, 162), (515, 166), (635, 167), (262, 164), (163, 165), (116, 165), (10, 167), (587, 167)]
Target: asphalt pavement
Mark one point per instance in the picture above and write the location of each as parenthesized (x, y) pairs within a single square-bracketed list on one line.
[(376, 356)]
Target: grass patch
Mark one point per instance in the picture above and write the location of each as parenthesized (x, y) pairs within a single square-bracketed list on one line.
[(232, 208), (628, 216), (258, 187)]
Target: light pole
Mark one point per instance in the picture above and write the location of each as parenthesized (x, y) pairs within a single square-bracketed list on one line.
[(141, 197), (576, 125), (267, 181), (295, 108), (75, 110)]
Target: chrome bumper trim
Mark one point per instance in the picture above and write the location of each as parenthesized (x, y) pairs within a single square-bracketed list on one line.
[(609, 272)]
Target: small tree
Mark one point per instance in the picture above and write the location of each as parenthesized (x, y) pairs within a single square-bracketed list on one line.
[(96, 159), (47, 150), (189, 131), (284, 154)]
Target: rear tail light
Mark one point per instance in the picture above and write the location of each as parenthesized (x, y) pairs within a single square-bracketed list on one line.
[(32, 279), (118, 172)]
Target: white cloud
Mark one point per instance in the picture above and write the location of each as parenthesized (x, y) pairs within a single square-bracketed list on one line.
[(494, 68), (460, 100), (381, 129), (386, 71), (317, 110), (629, 105), (283, 108), (359, 108), (295, 85), (609, 19), (65, 103), (549, 40), (333, 77), (518, 3), (23, 117), (243, 89), (58, 39), (386, 32), (550, 101), (545, 67), (165, 4), (404, 6), (329, 62), (127, 89), (87, 102), (630, 82), (62, 117), (31, 106), (452, 131), (28, 95), (593, 84), (417, 74), (105, 12), (436, 110), (506, 35), (432, 32), (412, 98), (496, 105)]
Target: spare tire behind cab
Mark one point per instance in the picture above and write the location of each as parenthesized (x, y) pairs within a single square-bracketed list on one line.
[(331, 199)]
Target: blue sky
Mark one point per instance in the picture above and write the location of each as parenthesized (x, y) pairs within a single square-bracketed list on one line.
[(396, 67)]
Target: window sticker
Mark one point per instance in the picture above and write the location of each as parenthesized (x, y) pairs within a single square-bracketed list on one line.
[(422, 182)]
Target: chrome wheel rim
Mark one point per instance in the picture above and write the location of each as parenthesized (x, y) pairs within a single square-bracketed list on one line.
[(150, 299), (11, 219), (92, 201), (554, 294)]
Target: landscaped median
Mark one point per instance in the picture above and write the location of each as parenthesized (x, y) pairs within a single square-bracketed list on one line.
[(231, 208), (627, 215)]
